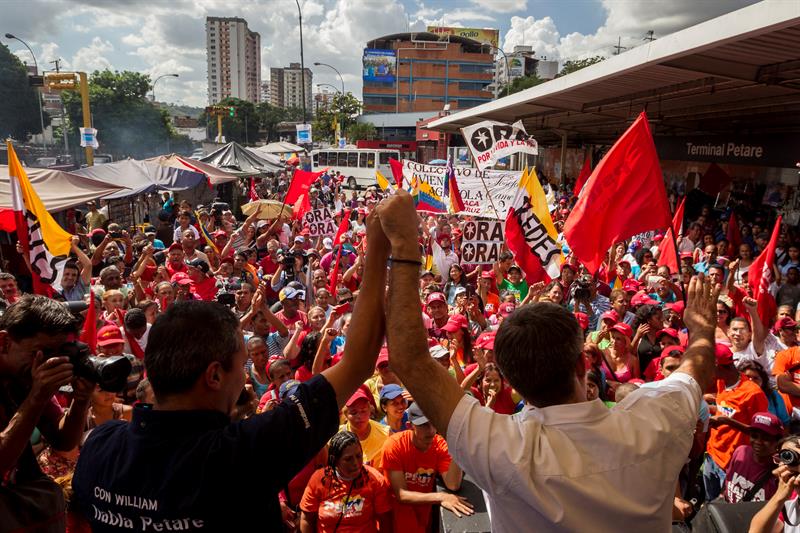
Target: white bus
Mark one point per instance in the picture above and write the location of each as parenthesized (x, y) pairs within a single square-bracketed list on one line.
[(357, 165)]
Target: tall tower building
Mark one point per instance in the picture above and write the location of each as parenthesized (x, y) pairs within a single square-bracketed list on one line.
[(234, 60), (285, 87)]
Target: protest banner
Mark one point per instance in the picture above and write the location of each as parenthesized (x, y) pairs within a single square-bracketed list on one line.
[(490, 141), (482, 242), (476, 186), (320, 222)]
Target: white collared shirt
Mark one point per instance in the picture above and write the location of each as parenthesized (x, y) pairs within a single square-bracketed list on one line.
[(580, 467)]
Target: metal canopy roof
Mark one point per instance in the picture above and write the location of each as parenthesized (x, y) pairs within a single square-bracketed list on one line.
[(738, 73)]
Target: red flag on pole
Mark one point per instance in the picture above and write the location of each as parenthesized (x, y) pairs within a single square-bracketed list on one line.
[(586, 171), (624, 196), (733, 236), (89, 331), (343, 225), (397, 171), (759, 278), (252, 191), (668, 255), (298, 191)]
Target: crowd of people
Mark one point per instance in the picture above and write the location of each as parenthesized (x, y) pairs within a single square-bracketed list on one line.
[(305, 379)]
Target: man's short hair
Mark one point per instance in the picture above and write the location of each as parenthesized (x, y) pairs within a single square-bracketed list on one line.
[(73, 265), (741, 319), (135, 319), (109, 270), (185, 340), (33, 314), (7, 275), (505, 256), (537, 349)]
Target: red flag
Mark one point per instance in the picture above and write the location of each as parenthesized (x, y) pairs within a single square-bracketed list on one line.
[(586, 171), (733, 236), (759, 278), (252, 191), (397, 171), (89, 331), (298, 191), (7, 220), (343, 225), (714, 180), (136, 350), (668, 255), (624, 196)]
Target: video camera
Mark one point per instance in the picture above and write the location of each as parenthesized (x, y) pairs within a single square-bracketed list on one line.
[(111, 373)]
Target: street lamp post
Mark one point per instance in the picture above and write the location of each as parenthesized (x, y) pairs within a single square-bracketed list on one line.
[(38, 96), (302, 61), (508, 69), (156, 81), (317, 64)]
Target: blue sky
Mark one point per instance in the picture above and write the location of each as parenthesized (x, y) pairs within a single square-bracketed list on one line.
[(168, 36)]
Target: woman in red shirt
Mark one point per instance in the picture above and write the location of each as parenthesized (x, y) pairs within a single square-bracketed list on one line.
[(346, 495)]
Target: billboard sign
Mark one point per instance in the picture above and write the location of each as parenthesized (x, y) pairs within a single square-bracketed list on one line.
[(379, 65), (482, 35)]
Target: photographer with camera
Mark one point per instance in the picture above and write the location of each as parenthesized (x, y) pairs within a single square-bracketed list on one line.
[(586, 299), (33, 365), (782, 513)]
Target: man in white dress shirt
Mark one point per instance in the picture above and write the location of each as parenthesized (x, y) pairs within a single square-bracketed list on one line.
[(563, 463)]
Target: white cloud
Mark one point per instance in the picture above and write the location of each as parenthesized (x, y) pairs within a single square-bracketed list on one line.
[(502, 6), (541, 34), (90, 58), (459, 16)]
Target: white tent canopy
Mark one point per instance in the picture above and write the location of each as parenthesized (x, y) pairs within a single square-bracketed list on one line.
[(57, 189), (279, 147)]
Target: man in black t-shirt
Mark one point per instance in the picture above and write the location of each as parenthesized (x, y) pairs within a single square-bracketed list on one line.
[(181, 464)]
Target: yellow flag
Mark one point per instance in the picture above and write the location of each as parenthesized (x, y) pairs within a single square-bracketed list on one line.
[(48, 243), (383, 183)]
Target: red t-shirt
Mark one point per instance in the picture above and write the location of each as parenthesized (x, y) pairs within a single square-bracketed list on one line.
[(172, 270), (358, 511), (504, 404), (289, 322), (740, 403), (419, 469), (206, 290)]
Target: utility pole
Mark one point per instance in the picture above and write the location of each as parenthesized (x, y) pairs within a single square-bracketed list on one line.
[(619, 48), (649, 36), (57, 64)]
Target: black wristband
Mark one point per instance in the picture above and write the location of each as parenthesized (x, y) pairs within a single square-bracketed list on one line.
[(405, 261)]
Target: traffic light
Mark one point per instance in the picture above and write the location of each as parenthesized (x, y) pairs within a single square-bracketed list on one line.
[(60, 81), (231, 111)]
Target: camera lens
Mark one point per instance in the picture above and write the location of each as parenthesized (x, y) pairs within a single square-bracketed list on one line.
[(789, 457)]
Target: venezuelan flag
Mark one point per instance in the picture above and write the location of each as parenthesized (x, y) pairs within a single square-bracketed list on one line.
[(451, 189), (205, 234), (425, 198)]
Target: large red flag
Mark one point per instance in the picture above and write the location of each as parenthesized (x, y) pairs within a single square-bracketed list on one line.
[(668, 255), (337, 241), (586, 171), (397, 171), (759, 278), (733, 236), (624, 196), (89, 331)]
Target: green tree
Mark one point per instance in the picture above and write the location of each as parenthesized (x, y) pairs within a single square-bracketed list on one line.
[(128, 125), (361, 131), (19, 111), (343, 110), (520, 84), (269, 116), (241, 128), (576, 64)]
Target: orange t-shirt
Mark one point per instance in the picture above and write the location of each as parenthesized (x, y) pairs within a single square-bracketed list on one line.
[(419, 469), (361, 507), (740, 403), (784, 360), (491, 303)]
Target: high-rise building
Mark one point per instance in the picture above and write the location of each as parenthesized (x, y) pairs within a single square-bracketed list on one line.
[(426, 71), (234, 60), (521, 62), (285, 89)]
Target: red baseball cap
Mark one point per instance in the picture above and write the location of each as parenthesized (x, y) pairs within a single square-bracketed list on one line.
[(723, 354), (486, 340), (631, 285), (610, 315), (623, 328), (219, 233), (685, 254), (487, 274), (668, 331), (180, 277), (435, 297), (175, 246), (768, 423), (506, 309), (785, 323), (455, 323), (359, 394), (677, 307), (642, 299), (583, 319), (658, 238), (383, 357), (669, 351), (109, 335)]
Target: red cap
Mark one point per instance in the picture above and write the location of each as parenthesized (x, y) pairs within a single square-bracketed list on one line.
[(669, 351), (435, 297), (624, 262), (486, 340), (785, 323), (642, 299), (610, 315), (305, 231), (658, 238), (686, 254), (623, 328), (677, 307), (768, 423), (583, 320), (383, 357), (109, 335), (455, 323), (506, 309), (668, 331), (97, 231), (487, 274), (723, 354), (631, 285), (175, 246), (180, 278), (359, 394), (219, 233)]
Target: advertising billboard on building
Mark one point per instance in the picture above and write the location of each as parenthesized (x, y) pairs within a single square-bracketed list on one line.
[(379, 65), (482, 35)]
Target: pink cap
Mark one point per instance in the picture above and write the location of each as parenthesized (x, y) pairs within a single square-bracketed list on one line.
[(623, 328), (435, 297), (455, 323)]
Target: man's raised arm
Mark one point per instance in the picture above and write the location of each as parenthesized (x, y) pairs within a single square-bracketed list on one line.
[(368, 323), (701, 318), (428, 382)]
